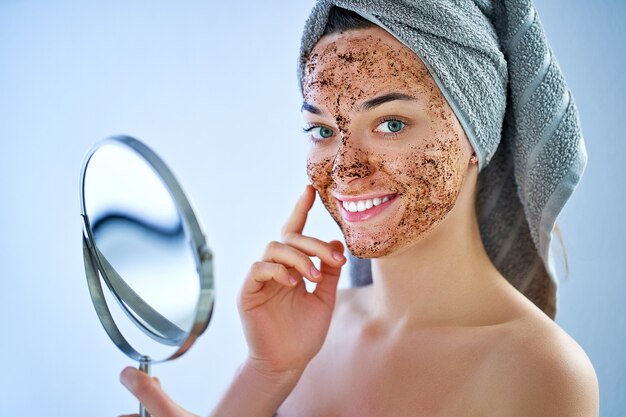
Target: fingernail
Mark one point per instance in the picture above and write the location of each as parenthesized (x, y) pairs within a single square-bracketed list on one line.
[(338, 256), (292, 280), (315, 272), (126, 377)]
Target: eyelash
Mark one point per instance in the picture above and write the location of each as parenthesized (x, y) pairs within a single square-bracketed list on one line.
[(309, 128), (392, 119)]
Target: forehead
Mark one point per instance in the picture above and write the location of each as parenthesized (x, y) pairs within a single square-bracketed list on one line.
[(364, 62)]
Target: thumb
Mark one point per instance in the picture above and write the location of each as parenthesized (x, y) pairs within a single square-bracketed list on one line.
[(148, 391)]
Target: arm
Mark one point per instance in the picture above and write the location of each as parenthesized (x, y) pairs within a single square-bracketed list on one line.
[(285, 326), (263, 393), (251, 393)]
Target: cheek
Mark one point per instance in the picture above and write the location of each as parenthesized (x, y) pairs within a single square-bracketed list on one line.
[(318, 171), (435, 171), (431, 180)]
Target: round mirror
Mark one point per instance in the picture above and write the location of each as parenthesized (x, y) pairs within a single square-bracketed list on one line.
[(142, 240)]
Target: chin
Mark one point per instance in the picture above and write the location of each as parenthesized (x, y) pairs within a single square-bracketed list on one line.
[(369, 247)]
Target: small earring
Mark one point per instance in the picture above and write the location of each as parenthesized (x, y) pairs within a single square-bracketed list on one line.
[(474, 159)]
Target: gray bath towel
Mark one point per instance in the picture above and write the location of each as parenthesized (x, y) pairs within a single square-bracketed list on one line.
[(493, 64)]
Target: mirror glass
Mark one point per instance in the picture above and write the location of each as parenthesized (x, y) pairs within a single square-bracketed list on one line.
[(144, 252), (140, 237)]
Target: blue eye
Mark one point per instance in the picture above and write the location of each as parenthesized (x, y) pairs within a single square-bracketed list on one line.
[(391, 126), (319, 132)]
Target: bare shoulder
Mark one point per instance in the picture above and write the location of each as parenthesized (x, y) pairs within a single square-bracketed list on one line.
[(539, 370)]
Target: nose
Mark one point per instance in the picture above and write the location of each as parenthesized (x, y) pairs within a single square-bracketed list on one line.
[(351, 163)]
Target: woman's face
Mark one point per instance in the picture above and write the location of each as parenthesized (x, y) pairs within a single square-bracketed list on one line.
[(388, 156)]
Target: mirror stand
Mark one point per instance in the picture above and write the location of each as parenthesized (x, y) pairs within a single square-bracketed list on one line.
[(144, 249)]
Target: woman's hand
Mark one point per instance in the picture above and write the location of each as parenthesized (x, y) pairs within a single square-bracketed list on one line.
[(148, 391), (285, 326)]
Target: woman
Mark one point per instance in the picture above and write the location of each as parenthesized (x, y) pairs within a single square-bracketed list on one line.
[(441, 331)]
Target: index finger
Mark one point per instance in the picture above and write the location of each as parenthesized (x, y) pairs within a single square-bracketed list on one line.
[(297, 220)]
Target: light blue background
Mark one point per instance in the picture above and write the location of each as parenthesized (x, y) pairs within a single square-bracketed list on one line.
[(212, 88)]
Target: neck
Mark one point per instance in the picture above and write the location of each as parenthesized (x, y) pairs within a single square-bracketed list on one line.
[(446, 278)]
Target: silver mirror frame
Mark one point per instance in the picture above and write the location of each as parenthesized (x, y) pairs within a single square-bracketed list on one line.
[(95, 268)]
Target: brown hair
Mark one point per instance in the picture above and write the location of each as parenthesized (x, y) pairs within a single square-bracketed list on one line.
[(341, 20)]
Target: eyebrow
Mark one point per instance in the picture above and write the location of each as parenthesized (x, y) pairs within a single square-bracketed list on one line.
[(368, 105), (310, 108), (385, 98)]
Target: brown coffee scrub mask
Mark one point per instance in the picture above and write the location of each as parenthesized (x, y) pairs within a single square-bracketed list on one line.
[(388, 156)]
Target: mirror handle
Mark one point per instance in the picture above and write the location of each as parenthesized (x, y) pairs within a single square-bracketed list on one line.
[(144, 366)]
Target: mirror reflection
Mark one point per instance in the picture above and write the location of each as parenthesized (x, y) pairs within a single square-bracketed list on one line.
[(142, 239), (139, 235)]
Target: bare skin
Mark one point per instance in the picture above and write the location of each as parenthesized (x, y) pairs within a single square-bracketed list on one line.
[(440, 332)]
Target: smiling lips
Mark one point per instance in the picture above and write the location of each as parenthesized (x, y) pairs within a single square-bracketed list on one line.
[(354, 210)]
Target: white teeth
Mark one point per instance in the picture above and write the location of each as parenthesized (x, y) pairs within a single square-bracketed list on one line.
[(363, 205)]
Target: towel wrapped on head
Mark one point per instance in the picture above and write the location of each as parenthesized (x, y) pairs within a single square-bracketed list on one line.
[(492, 62)]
